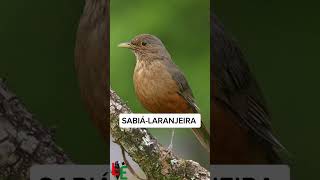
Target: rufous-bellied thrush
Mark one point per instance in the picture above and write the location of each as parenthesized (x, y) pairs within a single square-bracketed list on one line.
[(159, 84)]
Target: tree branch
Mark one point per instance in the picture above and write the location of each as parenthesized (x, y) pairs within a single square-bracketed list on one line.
[(23, 141), (151, 156)]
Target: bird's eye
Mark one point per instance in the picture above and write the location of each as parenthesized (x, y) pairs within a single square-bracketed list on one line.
[(143, 43)]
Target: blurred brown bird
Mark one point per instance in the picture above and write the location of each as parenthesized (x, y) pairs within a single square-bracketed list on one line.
[(91, 62), (159, 84), (241, 122)]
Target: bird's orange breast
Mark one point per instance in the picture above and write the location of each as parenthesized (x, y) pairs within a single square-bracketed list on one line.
[(156, 90)]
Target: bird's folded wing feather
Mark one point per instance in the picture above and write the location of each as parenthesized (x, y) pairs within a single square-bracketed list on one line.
[(184, 88), (236, 87)]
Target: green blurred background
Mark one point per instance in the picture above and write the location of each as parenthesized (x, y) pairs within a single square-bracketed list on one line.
[(37, 41), (281, 42), (183, 26)]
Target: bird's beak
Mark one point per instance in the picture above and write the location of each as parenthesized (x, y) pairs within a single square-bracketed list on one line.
[(125, 45)]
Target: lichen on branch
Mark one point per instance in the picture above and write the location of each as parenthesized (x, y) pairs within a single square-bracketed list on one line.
[(153, 158)]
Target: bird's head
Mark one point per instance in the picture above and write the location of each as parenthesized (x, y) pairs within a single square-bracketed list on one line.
[(145, 46)]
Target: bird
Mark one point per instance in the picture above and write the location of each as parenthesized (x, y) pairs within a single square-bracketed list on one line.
[(91, 63), (242, 132), (159, 84)]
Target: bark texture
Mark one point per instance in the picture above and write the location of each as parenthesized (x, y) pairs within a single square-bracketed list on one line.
[(151, 156), (23, 140)]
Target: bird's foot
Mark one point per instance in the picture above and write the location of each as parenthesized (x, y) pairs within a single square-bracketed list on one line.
[(170, 148), (169, 151)]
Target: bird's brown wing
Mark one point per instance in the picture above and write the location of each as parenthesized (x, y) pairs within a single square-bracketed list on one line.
[(184, 88), (237, 88), (185, 91)]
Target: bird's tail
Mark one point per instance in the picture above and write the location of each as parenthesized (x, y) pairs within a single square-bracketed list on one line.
[(203, 136), (280, 156), (274, 158)]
